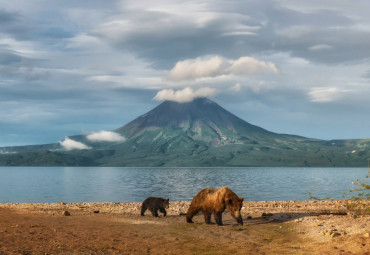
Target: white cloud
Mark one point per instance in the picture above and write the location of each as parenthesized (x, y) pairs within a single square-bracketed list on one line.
[(105, 136), (325, 95), (236, 88), (197, 68), (83, 41), (69, 144), (249, 65), (213, 66), (239, 33), (320, 47), (184, 95)]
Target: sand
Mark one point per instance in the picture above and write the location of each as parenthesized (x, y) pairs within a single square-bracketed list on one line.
[(275, 227)]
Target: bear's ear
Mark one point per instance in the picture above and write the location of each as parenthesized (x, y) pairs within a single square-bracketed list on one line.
[(241, 199), (168, 200), (230, 201)]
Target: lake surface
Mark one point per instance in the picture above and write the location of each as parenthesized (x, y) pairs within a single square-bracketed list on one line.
[(129, 184)]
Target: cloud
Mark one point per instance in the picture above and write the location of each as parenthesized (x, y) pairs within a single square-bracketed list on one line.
[(213, 66), (184, 95), (236, 88), (83, 42), (249, 65), (106, 136), (69, 144), (320, 47), (325, 95)]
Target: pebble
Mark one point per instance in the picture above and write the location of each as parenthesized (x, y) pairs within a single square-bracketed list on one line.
[(332, 233), (66, 213)]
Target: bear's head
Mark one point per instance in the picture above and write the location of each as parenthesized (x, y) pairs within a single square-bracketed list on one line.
[(234, 204), (166, 203)]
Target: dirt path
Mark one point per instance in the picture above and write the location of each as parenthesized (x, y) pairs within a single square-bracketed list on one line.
[(111, 228)]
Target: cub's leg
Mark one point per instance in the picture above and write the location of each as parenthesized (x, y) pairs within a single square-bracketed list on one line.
[(154, 212), (162, 210)]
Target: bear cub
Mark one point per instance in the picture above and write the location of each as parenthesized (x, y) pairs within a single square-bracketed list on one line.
[(154, 204)]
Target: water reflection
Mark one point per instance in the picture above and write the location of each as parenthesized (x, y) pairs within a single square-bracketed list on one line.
[(117, 184)]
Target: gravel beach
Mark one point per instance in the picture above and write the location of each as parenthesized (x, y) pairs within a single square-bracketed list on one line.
[(270, 227)]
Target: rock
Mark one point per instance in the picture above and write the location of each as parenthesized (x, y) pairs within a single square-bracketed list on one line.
[(62, 203), (326, 233), (352, 215), (249, 217), (335, 234), (266, 214), (66, 213), (366, 235), (96, 211)]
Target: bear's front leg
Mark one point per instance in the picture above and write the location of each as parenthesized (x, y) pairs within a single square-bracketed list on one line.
[(207, 217), (218, 218), (162, 210)]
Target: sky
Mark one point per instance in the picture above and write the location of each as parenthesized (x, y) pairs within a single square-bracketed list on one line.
[(70, 67)]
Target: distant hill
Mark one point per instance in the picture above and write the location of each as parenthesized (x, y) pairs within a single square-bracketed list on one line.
[(197, 133)]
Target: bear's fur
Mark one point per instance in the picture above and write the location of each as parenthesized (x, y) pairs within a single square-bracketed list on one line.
[(154, 204), (215, 201)]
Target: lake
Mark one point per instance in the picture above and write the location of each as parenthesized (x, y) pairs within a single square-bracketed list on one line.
[(130, 184)]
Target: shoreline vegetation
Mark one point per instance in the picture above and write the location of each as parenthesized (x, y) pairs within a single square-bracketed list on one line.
[(278, 227)]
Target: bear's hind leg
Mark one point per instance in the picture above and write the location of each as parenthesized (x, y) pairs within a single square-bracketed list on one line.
[(218, 218), (190, 214), (143, 209), (162, 210)]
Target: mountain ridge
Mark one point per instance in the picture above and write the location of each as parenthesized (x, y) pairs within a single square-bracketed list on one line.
[(197, 133)]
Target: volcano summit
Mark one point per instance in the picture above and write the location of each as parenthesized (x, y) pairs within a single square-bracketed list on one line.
[(197, 133)]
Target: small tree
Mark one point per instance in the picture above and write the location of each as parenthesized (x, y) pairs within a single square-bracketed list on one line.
[(363, 193)]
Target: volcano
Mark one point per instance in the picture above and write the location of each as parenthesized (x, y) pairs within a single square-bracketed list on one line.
[(197, 133), (201, 120)]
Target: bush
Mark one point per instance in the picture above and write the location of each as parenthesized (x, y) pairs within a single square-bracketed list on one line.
[(357, 203)]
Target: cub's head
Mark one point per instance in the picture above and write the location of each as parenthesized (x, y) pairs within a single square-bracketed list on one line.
[(166, 203), (234, 204)]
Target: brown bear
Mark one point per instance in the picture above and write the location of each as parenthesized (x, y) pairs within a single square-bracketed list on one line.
[(154, 204), (215, 201)]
